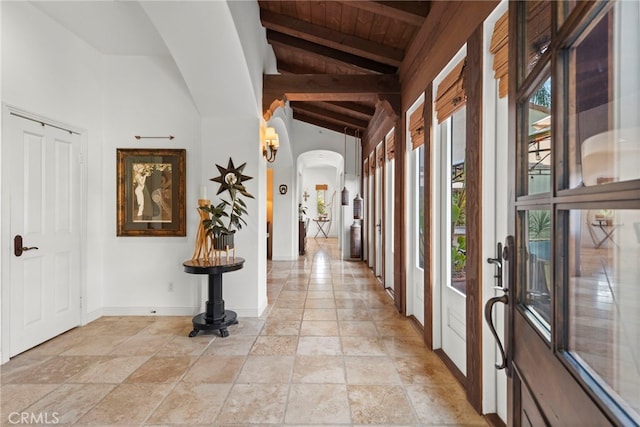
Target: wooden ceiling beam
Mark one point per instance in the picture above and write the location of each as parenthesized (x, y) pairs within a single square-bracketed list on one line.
[(358, 110), (330, 38), (303, 117), (329, 87), (304, 47), (289, 68), (409, 12), (316, 110)]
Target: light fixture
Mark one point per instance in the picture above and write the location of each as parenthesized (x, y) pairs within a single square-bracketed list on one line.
[(271, 144), (345, 192)]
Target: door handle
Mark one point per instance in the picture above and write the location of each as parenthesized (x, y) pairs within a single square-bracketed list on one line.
[(488, 308), (18, 249)]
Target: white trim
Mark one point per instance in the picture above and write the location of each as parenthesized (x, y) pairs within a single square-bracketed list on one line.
[(164, 311)]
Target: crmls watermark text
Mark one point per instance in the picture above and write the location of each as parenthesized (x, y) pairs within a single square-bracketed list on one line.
[(33, 418)]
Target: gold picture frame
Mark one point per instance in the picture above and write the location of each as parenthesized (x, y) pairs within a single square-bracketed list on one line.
[(151, 187)]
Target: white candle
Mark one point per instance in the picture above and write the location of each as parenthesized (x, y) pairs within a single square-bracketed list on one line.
[(203, 192)]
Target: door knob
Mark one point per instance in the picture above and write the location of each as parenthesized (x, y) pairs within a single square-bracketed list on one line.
[(18, 249)]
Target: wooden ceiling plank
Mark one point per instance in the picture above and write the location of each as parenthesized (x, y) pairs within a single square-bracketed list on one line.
[(412, 13), (308, 48), (315, 87), (331, 38), (322, 123), (360, 110), (315, 110)]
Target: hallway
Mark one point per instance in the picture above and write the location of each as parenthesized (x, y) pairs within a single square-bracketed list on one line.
[(330, 350)]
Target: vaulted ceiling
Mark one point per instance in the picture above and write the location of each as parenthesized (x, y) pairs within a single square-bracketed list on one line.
[(337, 59)]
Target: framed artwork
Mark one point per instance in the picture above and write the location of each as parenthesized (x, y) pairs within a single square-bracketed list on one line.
[(151, 192)]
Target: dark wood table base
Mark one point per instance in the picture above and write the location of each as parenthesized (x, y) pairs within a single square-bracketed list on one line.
[(200, 323), (215, 316)]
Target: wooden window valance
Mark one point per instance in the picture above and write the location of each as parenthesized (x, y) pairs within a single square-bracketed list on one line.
[(450, 95), (416, 127), (391, 147), (499, 47), (322, 187)]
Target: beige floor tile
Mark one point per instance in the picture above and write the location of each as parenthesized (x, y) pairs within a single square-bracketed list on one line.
[(380, 405), (286, 313), (423, 370), (247, 326), (353, 314), (55, 370), (363, 346), (330, 349), (318, 403), (185, 346), (319, 328), (141, 345), (358, 328), (370, 370), (191, 404), (254, 403), (215, 369), (18, 397), (93, 345), (281, 327), (319, 314), (443, 405), (320, 303), (266, 369), (234, 345), (109, 369), (269, 345), (312, 346), (319, 370), (161, 370), (70, 402), (127, 404)]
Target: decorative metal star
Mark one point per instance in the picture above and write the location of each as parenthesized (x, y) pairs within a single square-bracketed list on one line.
[(231, 179)]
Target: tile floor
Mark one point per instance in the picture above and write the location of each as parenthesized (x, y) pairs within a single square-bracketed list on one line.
[(330, 350)]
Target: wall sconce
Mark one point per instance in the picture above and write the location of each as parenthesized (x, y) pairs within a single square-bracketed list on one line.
[(271, 144)]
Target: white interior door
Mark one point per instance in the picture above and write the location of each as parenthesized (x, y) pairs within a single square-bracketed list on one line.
[(43, 171)]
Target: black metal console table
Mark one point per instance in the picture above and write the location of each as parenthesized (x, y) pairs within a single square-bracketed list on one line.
[(215, 316)]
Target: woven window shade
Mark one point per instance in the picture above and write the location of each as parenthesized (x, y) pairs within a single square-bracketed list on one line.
[(450, 96), (391, 147), (500, 49), (416, 127), (322, 187), (380, 156)]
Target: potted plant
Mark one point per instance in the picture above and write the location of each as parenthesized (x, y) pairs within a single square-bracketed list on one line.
[(226, 217)]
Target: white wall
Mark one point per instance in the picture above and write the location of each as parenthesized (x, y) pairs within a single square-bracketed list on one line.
[(146, 96), (244, 290), (49, 71), (52, 73)]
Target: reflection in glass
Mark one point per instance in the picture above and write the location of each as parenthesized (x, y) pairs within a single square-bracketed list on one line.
[(537, 253), (539, 140), (604, 119), (458, 193), (538, 31), (604, 298)]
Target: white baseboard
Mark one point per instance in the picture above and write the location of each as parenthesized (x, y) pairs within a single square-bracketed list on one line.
[(93, 315), (284, 258), (149, 311)]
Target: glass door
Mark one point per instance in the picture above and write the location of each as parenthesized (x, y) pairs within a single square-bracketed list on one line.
[(574, 309)]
